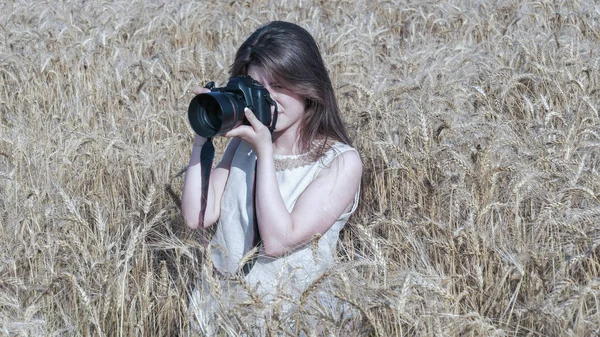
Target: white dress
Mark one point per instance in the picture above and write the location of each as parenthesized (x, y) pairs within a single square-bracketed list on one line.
[(292, 273)]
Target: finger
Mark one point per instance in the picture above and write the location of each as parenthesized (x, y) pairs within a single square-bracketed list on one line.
[(199, 90), (251, 117), (242, 131)]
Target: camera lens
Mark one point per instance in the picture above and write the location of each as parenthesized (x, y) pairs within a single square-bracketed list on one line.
[(215, 113)]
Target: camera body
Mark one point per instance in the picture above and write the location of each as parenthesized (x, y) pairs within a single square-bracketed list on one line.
[(222, 109)]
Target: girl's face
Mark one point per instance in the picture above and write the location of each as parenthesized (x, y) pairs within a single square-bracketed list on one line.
[(290, 106)]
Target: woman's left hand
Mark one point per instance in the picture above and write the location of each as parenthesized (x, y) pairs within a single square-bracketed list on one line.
[(256, 134)]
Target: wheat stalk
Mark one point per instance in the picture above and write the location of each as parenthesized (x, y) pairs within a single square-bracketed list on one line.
[(93, 122)]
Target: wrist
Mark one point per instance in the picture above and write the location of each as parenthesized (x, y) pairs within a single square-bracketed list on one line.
[(265, 151)]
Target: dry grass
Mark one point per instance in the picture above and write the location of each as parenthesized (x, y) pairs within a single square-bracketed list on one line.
[(477, 121)]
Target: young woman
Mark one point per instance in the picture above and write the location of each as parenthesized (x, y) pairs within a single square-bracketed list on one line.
[(299, 183)]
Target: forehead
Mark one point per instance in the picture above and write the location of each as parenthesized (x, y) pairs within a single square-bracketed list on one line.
[(260, 74)]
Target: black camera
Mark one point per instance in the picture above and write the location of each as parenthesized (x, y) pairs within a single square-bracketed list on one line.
[(222, 109)]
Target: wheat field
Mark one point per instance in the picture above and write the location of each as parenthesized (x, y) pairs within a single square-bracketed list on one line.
[(477, 122)]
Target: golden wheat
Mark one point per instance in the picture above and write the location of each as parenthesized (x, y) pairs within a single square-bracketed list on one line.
[(477, 123)]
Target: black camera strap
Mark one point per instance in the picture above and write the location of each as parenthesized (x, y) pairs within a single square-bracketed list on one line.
[(275, 113), (207, 155), (256, 239)]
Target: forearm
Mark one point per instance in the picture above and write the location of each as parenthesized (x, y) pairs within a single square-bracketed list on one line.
[(192, 187), (274, 220)]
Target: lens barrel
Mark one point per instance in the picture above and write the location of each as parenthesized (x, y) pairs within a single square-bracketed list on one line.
[(215, 113)]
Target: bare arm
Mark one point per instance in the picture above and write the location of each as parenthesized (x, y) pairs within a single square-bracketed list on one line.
[(192, 186), (317, 208)]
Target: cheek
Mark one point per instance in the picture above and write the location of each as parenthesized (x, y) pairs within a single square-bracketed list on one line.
[(301, 105)]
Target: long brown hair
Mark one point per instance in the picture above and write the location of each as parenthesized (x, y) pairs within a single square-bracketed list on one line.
[(288, 53)]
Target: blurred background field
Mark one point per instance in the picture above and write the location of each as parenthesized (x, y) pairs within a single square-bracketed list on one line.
[(477, 122)]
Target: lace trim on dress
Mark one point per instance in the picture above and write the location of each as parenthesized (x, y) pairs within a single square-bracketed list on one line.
[(283, 163), (290, 162)]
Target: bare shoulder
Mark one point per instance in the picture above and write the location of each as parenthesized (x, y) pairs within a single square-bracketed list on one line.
[(347, 164), (350, 160)]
